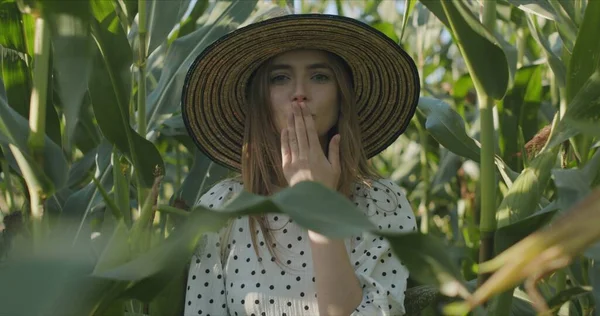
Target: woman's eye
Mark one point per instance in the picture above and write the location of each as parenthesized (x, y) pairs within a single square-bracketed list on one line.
[(321, 77), (277, 79)]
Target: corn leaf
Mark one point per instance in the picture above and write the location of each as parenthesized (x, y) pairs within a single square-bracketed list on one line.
[(519, 108), (14, 131), (538, 7), (165, 99), (585, 107), (110, 88), (71, 43), (586, 54), (483, 53), (448, 128)]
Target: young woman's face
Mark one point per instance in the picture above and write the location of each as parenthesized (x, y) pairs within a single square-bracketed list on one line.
[(304, 75)]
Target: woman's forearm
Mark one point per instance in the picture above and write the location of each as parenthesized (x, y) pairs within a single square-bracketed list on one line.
[(338, 289)]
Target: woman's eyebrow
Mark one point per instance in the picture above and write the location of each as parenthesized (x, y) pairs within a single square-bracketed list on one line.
[(288, 67)]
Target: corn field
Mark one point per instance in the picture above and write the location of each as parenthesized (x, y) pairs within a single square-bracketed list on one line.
[(501, 162)]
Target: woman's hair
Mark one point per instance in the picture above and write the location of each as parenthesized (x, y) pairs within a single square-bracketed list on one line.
[(261, 153)]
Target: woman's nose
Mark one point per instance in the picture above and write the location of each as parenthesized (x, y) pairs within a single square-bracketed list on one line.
[(299, 97), (299, 92)]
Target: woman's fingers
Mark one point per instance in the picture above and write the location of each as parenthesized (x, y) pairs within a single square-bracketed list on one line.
[(292, 140), (286, 155), (334, 153), (300, 131), (311, 131)]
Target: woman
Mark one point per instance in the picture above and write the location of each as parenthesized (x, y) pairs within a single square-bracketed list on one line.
[(300, 98)]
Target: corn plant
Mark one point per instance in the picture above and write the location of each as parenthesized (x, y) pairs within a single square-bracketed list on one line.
[(99, 179)]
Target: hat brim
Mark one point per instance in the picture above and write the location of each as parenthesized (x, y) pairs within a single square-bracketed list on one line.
[(386, 80)]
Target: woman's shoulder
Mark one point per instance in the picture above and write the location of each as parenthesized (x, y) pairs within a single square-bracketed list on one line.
[(233, 183), (379, 186), (222, 191), (385, 204)]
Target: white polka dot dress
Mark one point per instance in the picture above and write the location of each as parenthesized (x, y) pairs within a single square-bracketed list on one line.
[(240, 283)]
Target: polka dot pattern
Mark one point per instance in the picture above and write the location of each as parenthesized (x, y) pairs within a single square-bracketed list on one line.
[(240, 283)]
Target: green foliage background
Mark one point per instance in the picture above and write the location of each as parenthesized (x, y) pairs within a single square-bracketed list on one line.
[(92, 144)]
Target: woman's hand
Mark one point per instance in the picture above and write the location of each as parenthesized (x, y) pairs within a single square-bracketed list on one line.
[(302, 156)]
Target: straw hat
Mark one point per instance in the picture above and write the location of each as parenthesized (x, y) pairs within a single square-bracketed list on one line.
[(386, 81)]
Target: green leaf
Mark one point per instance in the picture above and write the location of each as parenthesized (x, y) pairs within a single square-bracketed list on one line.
[(585, 107), (448, 128), (574, 185), (121, 187), (564, 25), (586, 53), (71, 42), (151, 271), (585, 127), (81, 203), (87, 133), (558, 67), (426, 257), (14, 130), (17, 77), (524, 195), (116, 308), (173, 126), (3, 90), (512, 56), (60, 271), (436, 8), (388, 29), (203, 174), (19, 35), (16, 55), (462, 87), (116, 252), (165, 98), (482, 51), (294, 203), (130, 10), (594, 277), (569, 7), (171, 300), (521, 145), (538, 7), (409, 6), (521, 304), (448, 168), (110, 88), (16, 49), (188, 25), (162, 16), (519, 108), (572, 293), (510, 234), (593, 252), (81, 169), (532, 99)]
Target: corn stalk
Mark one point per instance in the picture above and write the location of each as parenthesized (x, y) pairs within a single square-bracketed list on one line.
[(141, 93), (487, 225), (37, 119)]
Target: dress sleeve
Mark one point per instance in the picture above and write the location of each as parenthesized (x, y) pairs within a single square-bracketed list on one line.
[(205, 293), (382, 276)]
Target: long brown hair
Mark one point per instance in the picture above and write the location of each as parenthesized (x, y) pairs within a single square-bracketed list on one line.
[(261, 154)]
